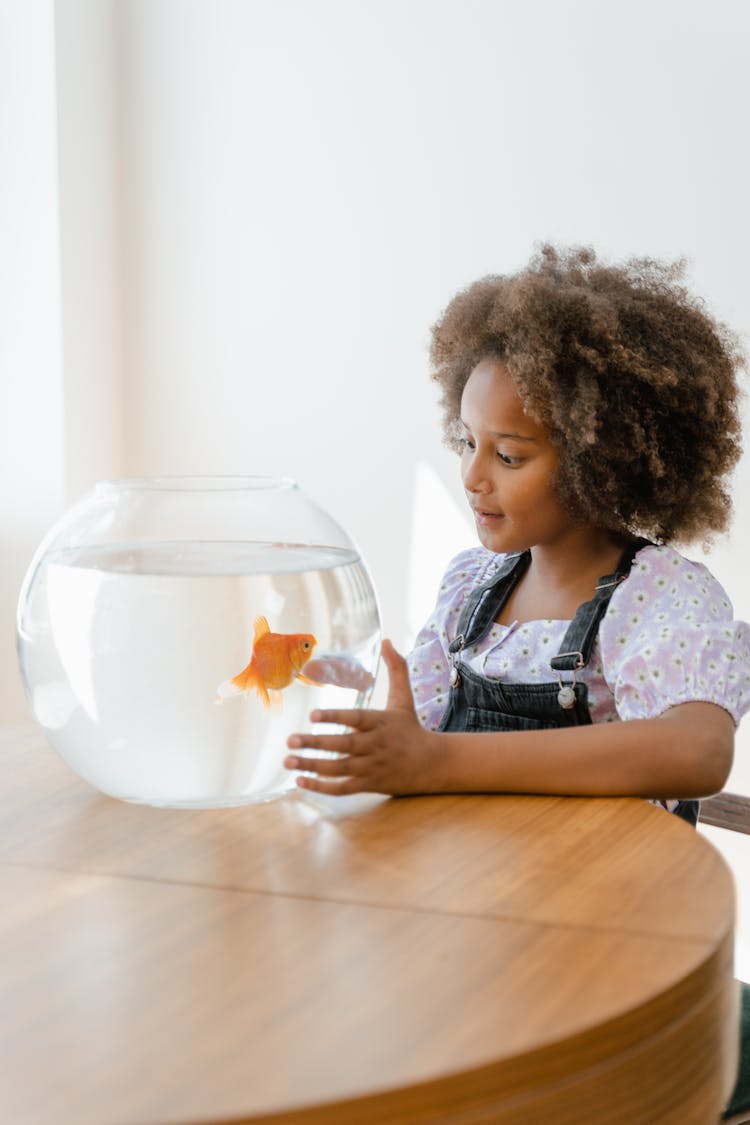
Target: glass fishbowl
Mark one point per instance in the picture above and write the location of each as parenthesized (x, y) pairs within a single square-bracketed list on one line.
[(172, 632)]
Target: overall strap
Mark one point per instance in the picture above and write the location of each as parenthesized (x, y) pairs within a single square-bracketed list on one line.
[(487, 600), (581, 634)]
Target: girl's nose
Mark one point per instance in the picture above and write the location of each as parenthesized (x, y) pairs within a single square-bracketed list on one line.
[(473, 475)]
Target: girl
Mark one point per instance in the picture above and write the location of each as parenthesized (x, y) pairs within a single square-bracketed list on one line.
[(576, 651)]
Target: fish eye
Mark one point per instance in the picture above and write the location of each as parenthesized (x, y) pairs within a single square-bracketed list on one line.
[(305, 645)]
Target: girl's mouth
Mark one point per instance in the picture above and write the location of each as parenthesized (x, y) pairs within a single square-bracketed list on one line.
[(487, 517)]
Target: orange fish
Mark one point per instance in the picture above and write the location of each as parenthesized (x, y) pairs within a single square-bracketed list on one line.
[(277, 660)]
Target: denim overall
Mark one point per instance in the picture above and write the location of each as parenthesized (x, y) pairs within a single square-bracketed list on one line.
[(480, 704)]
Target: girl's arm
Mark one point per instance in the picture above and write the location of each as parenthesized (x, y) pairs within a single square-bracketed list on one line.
[(686, 752)]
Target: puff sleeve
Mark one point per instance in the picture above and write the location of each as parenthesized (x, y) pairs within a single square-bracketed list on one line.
[(669, 637), (429, 661)]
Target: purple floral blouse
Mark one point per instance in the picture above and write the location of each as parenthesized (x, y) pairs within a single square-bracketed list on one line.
[(667, 637)]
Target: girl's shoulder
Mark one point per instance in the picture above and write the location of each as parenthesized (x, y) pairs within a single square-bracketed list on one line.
[(668, 637), (661, 574), (464, 572), (470, 568), (663, 592)]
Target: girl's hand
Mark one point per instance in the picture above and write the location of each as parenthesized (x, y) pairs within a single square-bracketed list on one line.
[(339, 670), (385, 751)]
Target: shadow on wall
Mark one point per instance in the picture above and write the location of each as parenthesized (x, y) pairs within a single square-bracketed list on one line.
[(440, 529)]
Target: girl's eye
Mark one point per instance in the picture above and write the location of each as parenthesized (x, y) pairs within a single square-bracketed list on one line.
[(468, 443)]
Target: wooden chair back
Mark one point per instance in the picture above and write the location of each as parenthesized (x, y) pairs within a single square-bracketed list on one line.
[(727, 810)]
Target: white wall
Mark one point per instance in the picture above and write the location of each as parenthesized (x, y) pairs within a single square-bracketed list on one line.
[(306, 184), (31, 392), (89, 209), (264, 206)]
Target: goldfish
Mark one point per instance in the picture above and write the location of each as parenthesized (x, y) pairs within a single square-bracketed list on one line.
[(277, 660)]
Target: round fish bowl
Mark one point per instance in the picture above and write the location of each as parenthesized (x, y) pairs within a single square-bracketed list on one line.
[(172, 632)]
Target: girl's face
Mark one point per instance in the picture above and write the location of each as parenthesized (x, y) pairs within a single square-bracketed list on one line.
[(507, 465)]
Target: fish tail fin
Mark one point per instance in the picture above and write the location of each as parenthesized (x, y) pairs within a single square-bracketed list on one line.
[(226, 690), (238, 685), (242, 684), (250, 678), (245, 679)]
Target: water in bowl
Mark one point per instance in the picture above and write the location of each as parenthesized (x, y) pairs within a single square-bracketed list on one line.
[(124, 648)]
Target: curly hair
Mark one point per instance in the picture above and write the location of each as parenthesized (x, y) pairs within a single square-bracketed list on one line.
[(634, 380)]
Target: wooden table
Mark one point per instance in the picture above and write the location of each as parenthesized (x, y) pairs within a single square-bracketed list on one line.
[(434, 959)]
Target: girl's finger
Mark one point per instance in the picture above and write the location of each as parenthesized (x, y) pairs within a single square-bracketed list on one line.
[(399, 686), (338, 743), (337, 788), (325, 767), (359, 719)]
